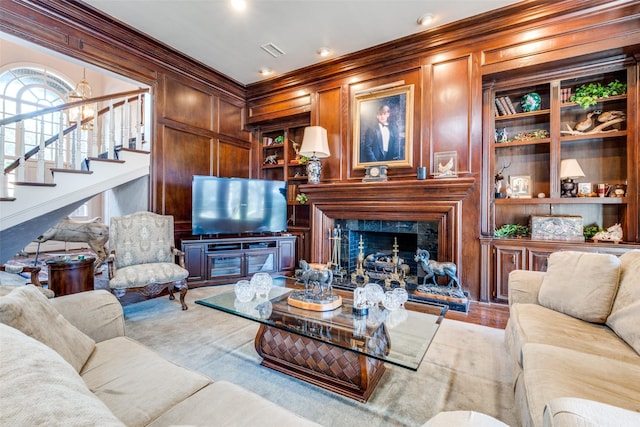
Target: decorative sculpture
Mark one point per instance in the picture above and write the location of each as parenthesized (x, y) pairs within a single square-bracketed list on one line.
[(271, 159), (318, 291), (605, 119), (613, 234), (93, 232), (436, 268)]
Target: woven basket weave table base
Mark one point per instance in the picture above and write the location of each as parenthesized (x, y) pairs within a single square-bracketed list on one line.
[(333, 368)]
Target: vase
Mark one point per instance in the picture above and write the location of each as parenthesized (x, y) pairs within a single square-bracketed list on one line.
[(531, 102), (244, 291)]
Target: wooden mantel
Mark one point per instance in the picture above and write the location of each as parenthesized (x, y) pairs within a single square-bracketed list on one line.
[(416, 200)]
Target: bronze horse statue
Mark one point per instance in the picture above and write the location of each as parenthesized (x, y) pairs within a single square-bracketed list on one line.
[(435, 268), (317, 283)]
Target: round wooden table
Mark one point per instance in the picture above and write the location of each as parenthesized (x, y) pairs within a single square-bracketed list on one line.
[(71, 276)]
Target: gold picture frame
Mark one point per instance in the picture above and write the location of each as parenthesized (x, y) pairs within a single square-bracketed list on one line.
[(396, 106)]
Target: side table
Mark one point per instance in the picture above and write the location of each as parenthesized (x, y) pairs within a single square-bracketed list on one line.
[(71, 276)]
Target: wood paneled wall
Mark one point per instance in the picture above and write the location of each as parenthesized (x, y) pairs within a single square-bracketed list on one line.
[(199, 114)]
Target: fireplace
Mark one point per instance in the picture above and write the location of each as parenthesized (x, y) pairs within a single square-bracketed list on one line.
[(381, 236), (433, 206)]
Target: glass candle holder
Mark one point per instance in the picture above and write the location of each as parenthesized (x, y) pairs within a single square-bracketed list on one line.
[(262, 283), (244, 291)]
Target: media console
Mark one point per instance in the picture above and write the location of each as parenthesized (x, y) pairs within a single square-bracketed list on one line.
[(212, 261)]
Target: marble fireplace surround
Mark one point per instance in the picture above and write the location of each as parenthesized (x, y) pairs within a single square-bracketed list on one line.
[(438, 200)]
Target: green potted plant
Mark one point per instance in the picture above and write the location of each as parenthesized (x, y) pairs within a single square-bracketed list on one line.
[(512, 231), (301, 198), (588, 94)]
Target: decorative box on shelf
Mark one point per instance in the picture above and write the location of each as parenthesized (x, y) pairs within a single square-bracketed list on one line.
[(557, 227)]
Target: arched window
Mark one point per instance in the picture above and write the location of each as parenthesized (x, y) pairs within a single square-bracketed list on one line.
[(26, 89)]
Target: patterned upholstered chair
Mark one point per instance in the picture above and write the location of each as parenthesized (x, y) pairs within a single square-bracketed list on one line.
[(143, 257)]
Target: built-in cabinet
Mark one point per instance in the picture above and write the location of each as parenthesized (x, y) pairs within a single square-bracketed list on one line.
[(531, 125), (279, 146), (231, 259)]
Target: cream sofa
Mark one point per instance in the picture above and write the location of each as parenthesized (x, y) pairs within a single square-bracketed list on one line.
[(66, 361), (574, 335)]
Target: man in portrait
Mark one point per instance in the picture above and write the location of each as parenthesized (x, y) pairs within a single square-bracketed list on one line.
[(381, 140)]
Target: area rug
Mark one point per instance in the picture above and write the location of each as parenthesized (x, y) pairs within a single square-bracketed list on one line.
[(465, 368)]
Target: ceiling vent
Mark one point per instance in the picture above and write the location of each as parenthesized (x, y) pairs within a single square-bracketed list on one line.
[(272, 50)]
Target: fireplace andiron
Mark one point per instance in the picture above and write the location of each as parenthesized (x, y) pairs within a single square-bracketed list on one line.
[(318, 291)]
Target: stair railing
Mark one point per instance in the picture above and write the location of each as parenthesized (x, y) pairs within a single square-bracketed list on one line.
[(121, 123)]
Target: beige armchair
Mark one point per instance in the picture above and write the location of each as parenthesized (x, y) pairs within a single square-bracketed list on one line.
[(143, 257)]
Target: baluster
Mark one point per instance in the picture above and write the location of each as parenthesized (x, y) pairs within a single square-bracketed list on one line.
[(139, 114), (92, 150), (4, 185), (76, 145), (127, 123), (60, 144), (41, 153), (19, 174), (112, 132)]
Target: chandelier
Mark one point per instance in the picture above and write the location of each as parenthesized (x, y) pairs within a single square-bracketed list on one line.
[(82, 92)]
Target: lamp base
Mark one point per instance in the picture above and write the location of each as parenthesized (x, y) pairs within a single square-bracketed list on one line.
[(568, 188), (313, 170)]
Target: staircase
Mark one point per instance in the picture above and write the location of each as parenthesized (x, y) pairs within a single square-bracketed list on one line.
[(37, 205)]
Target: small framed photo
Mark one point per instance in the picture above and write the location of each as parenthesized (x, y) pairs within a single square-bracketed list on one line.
[(520, 186), (445, 164), (584, 189)]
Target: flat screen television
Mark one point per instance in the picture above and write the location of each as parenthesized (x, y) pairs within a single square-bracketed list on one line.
[(238, 205)]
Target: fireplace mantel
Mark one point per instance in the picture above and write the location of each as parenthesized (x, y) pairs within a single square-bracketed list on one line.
[(416, 200)]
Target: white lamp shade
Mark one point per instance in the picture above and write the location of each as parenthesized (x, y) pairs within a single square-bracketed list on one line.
[(314, 142), (569, 168)]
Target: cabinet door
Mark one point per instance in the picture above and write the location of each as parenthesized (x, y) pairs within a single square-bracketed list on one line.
[(263, 261), (194, 261), (537, 259), (507, 259), (288, 254), (229, 265)]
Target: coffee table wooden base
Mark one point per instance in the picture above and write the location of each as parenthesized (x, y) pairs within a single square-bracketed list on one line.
[(333, 368)]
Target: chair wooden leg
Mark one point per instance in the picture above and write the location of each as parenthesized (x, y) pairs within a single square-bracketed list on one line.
[(183, 292)]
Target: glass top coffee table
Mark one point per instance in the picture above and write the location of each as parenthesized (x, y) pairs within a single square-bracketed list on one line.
[(336, 349)]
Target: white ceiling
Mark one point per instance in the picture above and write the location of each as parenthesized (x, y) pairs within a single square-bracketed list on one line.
[(211, 32)]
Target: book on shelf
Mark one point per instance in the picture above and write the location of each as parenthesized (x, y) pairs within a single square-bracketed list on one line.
[(266, 140), (512, 109), (500, 108)]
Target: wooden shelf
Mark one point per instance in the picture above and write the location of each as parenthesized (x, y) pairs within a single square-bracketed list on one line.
[(523, 115), (564, 201)]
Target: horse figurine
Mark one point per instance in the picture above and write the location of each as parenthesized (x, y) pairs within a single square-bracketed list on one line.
[(317, 283), (92, 232), (435, 268)]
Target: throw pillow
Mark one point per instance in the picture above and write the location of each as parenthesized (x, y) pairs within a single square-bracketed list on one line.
[(27, 310), (580, 284), (625, 315), (40, 388)]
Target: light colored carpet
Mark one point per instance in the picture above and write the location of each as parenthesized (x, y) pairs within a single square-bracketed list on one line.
[(466, 367)]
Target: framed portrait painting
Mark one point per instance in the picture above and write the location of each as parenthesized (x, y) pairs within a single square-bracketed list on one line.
[(383, 128)]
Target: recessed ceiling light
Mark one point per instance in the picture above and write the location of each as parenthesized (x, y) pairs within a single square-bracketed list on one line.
[(324, 51), (239, 5), (425, 19), (266, 72)]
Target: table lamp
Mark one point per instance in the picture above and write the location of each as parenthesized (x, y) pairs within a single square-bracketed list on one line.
[(314, 146), (569, 170)]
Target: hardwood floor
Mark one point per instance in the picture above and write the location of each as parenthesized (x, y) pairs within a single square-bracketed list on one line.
[(486, 314)]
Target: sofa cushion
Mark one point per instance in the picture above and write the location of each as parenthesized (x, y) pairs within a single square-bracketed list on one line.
[(463, 419), (625, 314), (537, 324), (224, 403), (27, 310), (574, 412), (40, 388), (551, 372), (137, 383), (581, 284)]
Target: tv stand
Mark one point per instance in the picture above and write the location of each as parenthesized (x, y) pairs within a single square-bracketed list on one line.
[(225, 260)]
